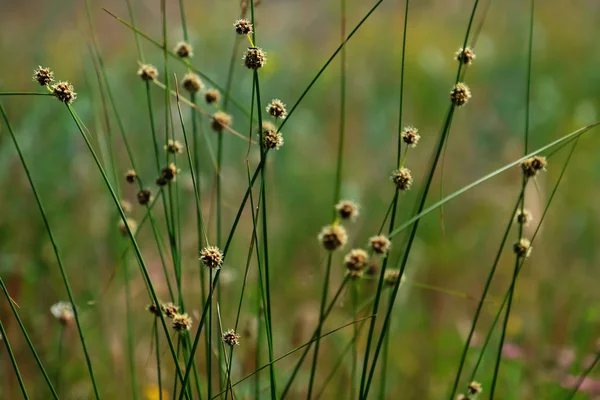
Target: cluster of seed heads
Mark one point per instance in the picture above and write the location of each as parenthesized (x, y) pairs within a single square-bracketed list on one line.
[(62, 90), (180, 322), (533, 165), (522, 248)]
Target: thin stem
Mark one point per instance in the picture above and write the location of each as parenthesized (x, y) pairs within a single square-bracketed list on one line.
[(13, 361)]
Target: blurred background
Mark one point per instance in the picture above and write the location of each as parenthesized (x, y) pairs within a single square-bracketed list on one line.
[(556, 313)]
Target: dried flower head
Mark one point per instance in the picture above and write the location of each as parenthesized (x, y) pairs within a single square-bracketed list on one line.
[(184, 50), (524, 217), (410, 136), (380, 244), (220, 120), (231, 338), (63, 311), (272, 139), (465, 56), (391, 276), (332, 237), (64, 92), (474, 388), (212, 257), (460, 94), (173, 146), (169, 309), (154, 309), (533, 165), (277, 109), (347, 209), (169, 172), (243, 27), (123, 228), (43, 76), (161, 181), (147, 72), (212, 96), (255, 58), (182, 323), (356, 260), (126, 206), (522, 248), (131, 176), (144, 196), (192, 83), (402, 178)]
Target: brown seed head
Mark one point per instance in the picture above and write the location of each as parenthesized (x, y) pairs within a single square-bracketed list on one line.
[(147, 72), (123, 228), (184, 50), (354, 275), (277, 109), (402, 178), (272, 139), (212, 96), (231, 338), (356, 260), (380, 244), (212, 257), (460, 94), (169, 172), (154, 309), (192, 83), (533, 165), (131, 176), (43, 76), (169, 309), (144, 196), (161, 181), (182, 323), (465, 56), (255, 58), (173, 146), (332, 237), (410, 136), (524, 217), (347, 209), (474, 388), (64, 92), (243, 27), (63, 311), (220, 120), (522, 248)]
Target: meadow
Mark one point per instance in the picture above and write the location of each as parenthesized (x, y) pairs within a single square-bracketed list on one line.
[(265, 199)]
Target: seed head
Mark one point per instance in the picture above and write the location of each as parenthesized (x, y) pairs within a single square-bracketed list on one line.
[(354, 275), (347, 209), (231, 338), (161, 181), (356, 260), (524, 217), (192, 83), (126, 206), (391, 276), (123, 228), (169, 309), (154, 309), (64, 92), (474, 388), (277, 109), (169, 172), (465, 56), (255, 58), (271, 138), (380, 244), (173, 146), (184, 50), (144, 196), (220, 120), (410, 136), (43, 76), (402, 178), (212, 257), (131, 176), (63, 311), (212, 96), (533, 165), (147, 72), (460, 94), (332, 237), (182, 323), (243, 27), (522, 248)]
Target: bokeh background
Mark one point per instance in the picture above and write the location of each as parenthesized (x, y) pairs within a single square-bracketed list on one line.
[(556, 315)]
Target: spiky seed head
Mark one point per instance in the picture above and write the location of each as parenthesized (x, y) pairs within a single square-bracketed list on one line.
[(182, 323), (243, 27), (144, 196), (402, 178), (147, 72), (474, 388), (410, 136), (63, 311), (169, 172), (123, 228), (192, 83), (231, 338), (522, 248), (220, 120), (212, 96), (271, 138), (347, 209), (184, 50), (169, 309), (126, 206), (154, 309), (356, 260), (533, 165), (460, 94), (131, 176), (524, 217), (173, 146), (212, 257), (332, 237), (380, 244), (43, 76), (255, 58), (64, 92), (277, 109), (465, 56), (391, 277)]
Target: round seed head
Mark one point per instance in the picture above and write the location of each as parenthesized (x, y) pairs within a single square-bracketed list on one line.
[(154, 309), (161, 181), (43, 76), (220, 120), (271, 138), (354, 275), (533, 165), (347, 209), (380, 244), (173, 147), (522, 248), (231, 338), (212, 257), (255, 58), (184, 50), (391, 277), (131, 176), (169, 309), (123, 228), (212, 96), (277, 109), (465, 56), (524, 217), (182, 323), (402, 178), (243, 27), (144, 196), (147, 72), (356, 260), (410, 136), (460, 94), (63, 311), (169, 172), (192, 83), (64, 92), (332, 237), (474, 388)]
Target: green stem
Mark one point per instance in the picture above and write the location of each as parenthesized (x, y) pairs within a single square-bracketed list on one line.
[(130, 332), (13, 361)]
